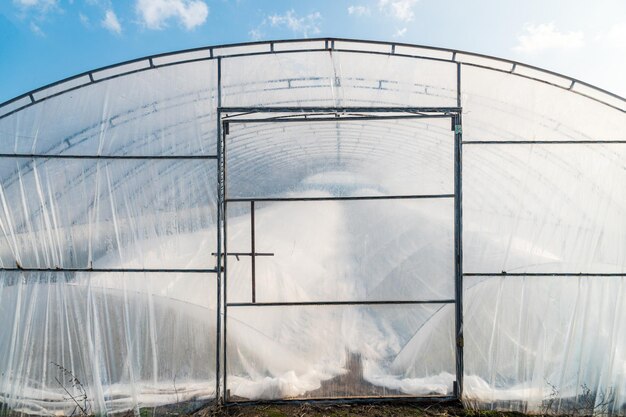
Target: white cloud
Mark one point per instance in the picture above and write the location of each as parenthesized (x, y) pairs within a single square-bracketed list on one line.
[(38, 9), (256, 34), (542, 37), (36, 12), (84, 20), (154, 14), (111, 23), (36, 29), (400, 33), (398, 9), (305, 26), (41, 4), (359, 10)]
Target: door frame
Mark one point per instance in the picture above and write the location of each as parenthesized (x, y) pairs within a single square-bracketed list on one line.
[(230, 115)]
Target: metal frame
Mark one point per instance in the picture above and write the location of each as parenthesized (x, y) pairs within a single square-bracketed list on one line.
[(288, 114), (392, 399), (231, 115), (544, 142), (91, 269), (218, 52), (457, 126), (106, 157), (220, 216), (114, 270)]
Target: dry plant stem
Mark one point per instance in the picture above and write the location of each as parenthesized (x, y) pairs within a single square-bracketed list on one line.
[(75, 382)]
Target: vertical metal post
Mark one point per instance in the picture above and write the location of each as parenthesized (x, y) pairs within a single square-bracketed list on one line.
[(225, 284), (458, 239), (220, 201), (458, 84), (458, 253), (253, 251)]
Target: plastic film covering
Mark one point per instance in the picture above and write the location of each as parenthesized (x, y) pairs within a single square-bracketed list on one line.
[(81, 213), (499, 106), (337, 351), (164, 111), (339, 278), (340, 158), (88, 342), (547, 208), (546, 344), (344, 251), (337, 79)]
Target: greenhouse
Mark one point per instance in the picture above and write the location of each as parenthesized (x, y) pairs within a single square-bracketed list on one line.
[(313, 219)]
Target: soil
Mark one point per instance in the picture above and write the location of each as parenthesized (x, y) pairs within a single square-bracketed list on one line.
[(345, 410)]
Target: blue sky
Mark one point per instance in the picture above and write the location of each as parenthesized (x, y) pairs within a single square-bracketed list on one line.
[(42, 41)]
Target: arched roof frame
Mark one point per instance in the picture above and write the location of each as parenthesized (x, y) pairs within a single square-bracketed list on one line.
[(461, 57)]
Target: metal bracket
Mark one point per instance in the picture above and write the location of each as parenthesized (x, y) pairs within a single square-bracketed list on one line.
[(460, 342)]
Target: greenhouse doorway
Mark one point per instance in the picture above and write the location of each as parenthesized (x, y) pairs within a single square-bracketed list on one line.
[(330, 272)]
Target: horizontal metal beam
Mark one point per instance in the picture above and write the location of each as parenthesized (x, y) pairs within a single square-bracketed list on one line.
[(65, 156), (544, 274), (347, 198), (143, 270), (544, 142), (317, 109), (395, 399), (304, 118), (244, 254), (339, 303)]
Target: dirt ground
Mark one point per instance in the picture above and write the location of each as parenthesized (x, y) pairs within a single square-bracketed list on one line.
[(305, 409), (345, 410)]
